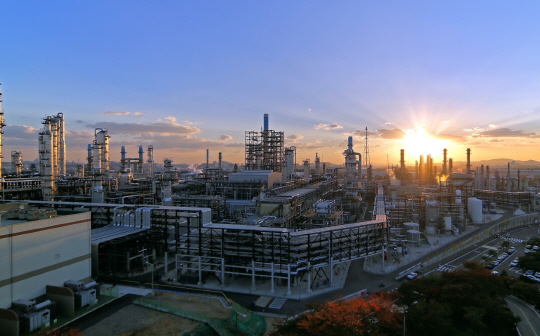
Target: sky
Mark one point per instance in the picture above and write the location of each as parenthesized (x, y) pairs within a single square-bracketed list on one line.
[(186, 76)]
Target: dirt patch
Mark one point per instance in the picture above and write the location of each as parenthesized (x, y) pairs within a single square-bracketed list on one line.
[(135, 320)]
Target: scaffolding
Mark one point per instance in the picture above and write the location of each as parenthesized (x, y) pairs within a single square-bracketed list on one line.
[(264, 150)]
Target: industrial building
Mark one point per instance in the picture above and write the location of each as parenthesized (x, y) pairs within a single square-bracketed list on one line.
[(41, 251), (270, 220)]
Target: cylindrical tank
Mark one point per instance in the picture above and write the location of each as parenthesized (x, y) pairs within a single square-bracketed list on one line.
[(475, 209), (413, 236), (447, 223)]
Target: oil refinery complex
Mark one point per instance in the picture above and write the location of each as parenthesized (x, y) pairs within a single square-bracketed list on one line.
[(271, 223)]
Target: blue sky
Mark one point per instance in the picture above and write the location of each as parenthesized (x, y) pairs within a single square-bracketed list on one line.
[(185, 76)]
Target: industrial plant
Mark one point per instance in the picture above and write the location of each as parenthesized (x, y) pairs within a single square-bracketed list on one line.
[(272, 225)]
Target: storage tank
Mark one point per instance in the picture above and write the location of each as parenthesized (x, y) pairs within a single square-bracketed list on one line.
[(458, 199), (447, 223), (411, 226), (475, 209), (413, 236)]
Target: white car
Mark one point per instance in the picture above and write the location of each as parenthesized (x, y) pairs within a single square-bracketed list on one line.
[(412, 276), (528, 251), (494, 272), (514, 263), (535, 247)]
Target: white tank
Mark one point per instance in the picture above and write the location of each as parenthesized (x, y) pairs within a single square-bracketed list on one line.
[(458, 199), (413, 236), (411, 226), (475, 209), (447, 223)]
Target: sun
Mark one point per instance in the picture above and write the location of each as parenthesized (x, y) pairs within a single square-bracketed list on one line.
[(421, 142)]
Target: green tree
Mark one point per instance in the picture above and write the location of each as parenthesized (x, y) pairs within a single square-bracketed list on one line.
[(505, 245), (463, 302)]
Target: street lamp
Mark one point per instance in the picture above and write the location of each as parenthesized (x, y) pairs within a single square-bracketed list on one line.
[(147, 263)]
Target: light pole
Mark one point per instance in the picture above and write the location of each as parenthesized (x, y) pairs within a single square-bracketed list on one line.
[(146, 262)]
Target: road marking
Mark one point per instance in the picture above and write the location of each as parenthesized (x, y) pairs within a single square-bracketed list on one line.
[(525, 316)]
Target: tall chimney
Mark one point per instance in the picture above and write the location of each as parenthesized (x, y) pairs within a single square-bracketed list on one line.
[(445, 161), (450, 166), (508, 180), (468, 160), (266, 121)]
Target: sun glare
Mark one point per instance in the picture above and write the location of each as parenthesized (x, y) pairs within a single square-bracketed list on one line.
[(420, 142)]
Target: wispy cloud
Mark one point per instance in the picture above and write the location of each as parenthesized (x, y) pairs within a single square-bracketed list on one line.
[(507, 133), (295, 137), (136, 128), (116, 113), (225, 137), (395, 133), (327, 126), (170, 119)]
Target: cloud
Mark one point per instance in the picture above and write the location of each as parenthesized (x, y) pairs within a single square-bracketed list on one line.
[(496, 140), (79, 121), (455, 138), (137, 128), (327, 126), (116, 113), (186, 141), (187, 122), (474, 143), (387, 123), (492, 126), (359, 133), (225, 137), (295, 137), (395, 133), (507, 133), (171, 119), (138, 114)]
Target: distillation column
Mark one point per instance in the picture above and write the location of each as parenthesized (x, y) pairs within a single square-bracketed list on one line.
[(317, 165), (150, 153), (351, 164), (468, 160), (306, 169), (16, 162), (288, 164)]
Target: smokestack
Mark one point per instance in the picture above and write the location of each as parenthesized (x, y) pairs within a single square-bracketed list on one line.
[(122, 159), (519, 181), (266, 121), (445, 161), (220, 159), (488, 187), (450, 166), (421, 171), (482, 177), (207, 158), (468, 160), (508, 178), (402, 166)]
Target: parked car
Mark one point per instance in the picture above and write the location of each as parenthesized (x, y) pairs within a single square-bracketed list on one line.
[(537, 274), (490, 266), (496, 263), (494, 272), (514, 264), (529, 272), (528, 246), (528, 251), (412, 276), (535, 247)]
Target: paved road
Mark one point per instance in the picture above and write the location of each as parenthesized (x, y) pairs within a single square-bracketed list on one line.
[(530, 319)]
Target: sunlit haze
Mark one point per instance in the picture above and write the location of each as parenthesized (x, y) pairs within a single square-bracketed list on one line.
[(186, 76)]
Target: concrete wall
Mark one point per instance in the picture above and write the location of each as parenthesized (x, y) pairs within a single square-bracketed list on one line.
[(43, 252), (64, 298)]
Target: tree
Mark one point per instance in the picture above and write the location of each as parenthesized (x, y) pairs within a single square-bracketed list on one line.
[(375, 315), (463, 302), (505, 245)]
